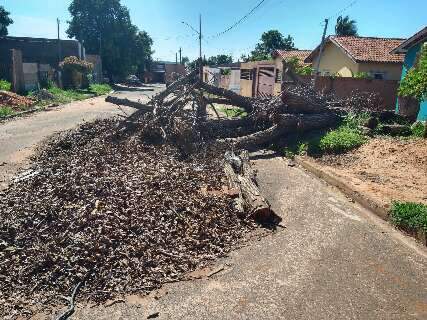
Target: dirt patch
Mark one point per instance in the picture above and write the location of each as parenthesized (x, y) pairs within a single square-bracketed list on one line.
[(387, 169)]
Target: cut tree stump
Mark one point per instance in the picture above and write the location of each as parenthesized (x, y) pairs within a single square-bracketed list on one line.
[(241, 178)]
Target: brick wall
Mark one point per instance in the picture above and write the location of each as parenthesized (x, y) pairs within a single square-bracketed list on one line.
[(343, 87)]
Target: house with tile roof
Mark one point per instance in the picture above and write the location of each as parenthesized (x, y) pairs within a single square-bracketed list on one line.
[(301, 55), (350, 55)]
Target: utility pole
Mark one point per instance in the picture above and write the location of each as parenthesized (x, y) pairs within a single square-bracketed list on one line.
[(180, 55), (200, 47), (176, 57), (322, 45), (59, 43)]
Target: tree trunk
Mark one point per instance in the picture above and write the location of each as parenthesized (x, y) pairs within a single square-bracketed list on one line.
[(241, 177), (284, 124), (129, 103), (235, 99)]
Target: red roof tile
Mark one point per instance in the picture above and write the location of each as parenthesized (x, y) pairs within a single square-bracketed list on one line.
[(366, 49), (286, 54)]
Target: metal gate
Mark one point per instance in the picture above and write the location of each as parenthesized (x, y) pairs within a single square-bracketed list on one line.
[(266, 79)]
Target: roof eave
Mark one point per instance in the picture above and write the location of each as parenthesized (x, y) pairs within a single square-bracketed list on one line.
[(415, 39)]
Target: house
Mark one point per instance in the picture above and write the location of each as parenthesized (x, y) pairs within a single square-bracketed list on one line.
[(411, 48), (263, 78), (301, 55), (225, 76), (28, 62), (165, 71), (351, 55)]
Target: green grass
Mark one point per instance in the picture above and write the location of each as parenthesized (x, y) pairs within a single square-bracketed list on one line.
[(6, 111), (5, 85), (67, 96), (409, 215), (233, 112), (341, 140), (100, 89)]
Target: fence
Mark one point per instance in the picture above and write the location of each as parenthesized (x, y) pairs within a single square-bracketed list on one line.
[(343, 87)]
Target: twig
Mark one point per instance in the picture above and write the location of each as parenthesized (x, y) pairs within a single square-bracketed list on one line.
[(70, 311)]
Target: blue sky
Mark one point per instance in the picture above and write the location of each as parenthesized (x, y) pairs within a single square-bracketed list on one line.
[(162, 20)]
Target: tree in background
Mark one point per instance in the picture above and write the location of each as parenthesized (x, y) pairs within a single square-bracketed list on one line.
[(105, 28), (346, 27), (5, 21), (270, 41), (219, 59), (143, 53), (185, 61)]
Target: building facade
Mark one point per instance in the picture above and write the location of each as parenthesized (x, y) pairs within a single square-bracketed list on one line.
[(353, 56)]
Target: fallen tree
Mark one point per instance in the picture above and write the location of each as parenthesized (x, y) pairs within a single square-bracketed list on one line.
[(241, 179)]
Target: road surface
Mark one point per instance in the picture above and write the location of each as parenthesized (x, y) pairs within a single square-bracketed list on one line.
[(333, 261)]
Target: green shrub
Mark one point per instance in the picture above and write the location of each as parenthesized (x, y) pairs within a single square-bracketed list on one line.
[(99, 89), (415, 82), (5, 85), (354, 120), (409, 215), (5, 111), (419, 129), (341, 140), (234, 112), (362, 75)]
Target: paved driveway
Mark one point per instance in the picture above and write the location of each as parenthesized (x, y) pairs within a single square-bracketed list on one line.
[(18, 137)]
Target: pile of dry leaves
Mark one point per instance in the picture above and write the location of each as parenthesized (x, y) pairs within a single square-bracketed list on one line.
[(121, 215), (14, 100)]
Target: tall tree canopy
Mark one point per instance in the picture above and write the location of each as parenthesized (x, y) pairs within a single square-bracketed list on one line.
[(270, 41), (345, 26), (5, 21), (105, 28), (220, 59)]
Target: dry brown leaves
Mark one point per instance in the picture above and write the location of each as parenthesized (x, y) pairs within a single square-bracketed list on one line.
[(128, 215), (14, 100)]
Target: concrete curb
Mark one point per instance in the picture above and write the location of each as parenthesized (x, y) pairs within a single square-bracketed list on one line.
[(364, 200)]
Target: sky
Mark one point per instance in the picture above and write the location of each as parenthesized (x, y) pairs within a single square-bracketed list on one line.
[(162, 19)]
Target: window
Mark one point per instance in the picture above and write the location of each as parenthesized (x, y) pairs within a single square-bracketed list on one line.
[(378, 75), (246, 74), (278, 76)]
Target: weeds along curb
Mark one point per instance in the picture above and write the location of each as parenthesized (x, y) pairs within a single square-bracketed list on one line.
[(362, 199), (23, 113)]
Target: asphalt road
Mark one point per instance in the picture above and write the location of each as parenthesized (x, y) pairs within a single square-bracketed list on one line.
[(20, 136), (333, 260)]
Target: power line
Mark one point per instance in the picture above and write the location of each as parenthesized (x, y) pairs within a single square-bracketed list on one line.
[(239, 21), (343, 10)]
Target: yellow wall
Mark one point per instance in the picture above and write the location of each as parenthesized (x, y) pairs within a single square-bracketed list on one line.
[(246, 88), (336, 61), (393, 71)]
